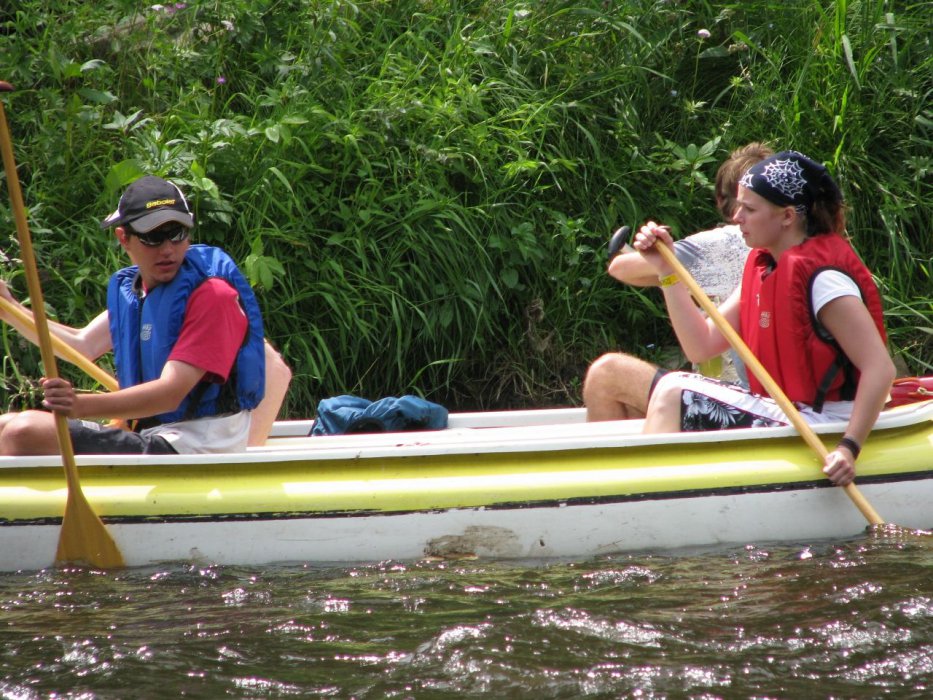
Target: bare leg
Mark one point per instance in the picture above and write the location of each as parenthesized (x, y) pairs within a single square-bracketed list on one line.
[(278, 377), (616, 387), (28, 433), (4, 419), (664, 409)]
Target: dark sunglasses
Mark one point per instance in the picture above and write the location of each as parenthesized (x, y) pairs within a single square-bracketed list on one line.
[(176, 233)]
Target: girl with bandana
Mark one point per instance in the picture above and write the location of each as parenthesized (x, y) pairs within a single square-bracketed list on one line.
[(807, 308)]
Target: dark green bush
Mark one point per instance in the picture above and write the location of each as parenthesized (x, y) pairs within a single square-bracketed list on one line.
[(421, 191)]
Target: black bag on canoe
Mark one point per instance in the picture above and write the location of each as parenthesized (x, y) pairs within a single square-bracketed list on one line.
[(341, 415)]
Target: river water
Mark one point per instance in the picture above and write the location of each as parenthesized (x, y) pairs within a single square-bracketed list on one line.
[(849, 619)]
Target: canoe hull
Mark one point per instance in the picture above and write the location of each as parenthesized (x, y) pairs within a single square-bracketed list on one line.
[(568, 490), (542, 531)]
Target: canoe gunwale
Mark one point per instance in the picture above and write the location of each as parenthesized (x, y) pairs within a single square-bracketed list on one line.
[(540, 437)]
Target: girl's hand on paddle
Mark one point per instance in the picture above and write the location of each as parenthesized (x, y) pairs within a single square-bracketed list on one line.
[(59, 396), (645, 241), (840, 467)]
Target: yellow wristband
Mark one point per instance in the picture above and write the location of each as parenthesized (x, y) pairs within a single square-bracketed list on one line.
[(669, 280)]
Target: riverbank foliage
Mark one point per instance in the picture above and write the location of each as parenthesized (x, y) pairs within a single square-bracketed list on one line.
[(421, 191)]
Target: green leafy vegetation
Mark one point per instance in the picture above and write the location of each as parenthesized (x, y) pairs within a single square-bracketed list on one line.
[(421, 191)]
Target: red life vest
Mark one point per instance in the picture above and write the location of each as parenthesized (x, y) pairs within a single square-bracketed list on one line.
[(778, 324)]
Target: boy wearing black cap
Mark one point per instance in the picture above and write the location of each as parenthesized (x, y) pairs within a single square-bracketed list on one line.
[(187, 337), (149, 203)]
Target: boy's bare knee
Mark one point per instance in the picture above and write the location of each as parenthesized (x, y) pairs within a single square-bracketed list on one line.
[(620, 370), (28, 433), (4, 419), (13, 433), (608, 365), (600, 371)]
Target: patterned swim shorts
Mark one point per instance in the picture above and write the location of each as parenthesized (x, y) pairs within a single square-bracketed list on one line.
[(711, 404)]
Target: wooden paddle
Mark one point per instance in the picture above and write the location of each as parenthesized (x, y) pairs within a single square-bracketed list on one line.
[(83, 537), (752, 363), (63, 350)]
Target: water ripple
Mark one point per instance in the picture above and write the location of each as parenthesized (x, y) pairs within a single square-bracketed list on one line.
[(854, 619)]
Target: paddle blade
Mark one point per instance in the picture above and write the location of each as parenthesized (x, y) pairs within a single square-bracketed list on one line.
[(84, 538)]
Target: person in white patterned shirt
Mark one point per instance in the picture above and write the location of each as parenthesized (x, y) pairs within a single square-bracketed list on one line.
[(618, 385)]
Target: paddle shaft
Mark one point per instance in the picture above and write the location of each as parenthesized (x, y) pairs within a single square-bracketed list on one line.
[(752, 363), (62, 349), (83, 536)]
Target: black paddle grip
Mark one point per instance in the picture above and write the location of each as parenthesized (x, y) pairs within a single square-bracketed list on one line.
[(619, 239)]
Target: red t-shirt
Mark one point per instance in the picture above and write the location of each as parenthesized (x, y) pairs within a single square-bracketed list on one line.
[(213, 330)]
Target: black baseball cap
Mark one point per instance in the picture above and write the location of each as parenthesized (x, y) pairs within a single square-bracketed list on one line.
[(148, 203)]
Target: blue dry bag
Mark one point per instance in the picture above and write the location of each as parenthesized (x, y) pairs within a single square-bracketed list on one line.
[(345, 414)]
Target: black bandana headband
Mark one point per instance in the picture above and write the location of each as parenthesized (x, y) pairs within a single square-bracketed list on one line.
[(791, 179)]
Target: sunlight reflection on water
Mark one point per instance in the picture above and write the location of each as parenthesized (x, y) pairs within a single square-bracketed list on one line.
[(855, 617)]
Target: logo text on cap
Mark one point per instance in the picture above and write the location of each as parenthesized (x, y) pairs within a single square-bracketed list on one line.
[(159, 203)]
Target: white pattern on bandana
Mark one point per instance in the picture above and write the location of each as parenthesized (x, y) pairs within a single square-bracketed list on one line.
[(785, 176)]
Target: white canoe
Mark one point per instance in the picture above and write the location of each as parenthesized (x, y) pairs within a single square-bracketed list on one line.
[(517, 484)]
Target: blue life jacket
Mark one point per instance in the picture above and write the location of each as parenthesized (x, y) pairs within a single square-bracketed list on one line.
[(144, 331), (351, 414)]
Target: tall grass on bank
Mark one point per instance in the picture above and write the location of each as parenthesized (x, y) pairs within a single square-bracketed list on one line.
[(421, 191)]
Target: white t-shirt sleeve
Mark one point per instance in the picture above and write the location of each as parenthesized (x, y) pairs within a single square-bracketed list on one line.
[(832, 284)]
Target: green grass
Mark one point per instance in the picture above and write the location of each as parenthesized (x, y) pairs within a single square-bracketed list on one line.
[(421, 191)]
